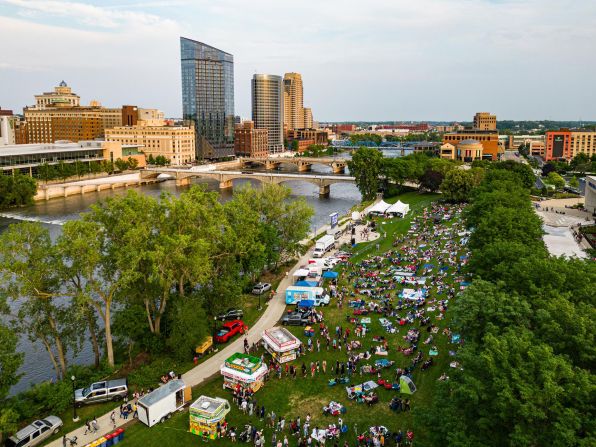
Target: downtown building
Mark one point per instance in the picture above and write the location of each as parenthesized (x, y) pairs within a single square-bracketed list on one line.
[(58, 116), (565, 144), (296, 116), (249, 141), (268, 109), (484, 132), (208, 97)]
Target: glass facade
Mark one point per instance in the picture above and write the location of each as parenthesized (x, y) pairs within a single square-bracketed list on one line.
[(208, 97), (268, 109)]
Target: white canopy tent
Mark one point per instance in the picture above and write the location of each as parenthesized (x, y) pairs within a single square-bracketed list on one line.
[(398, 207), (379, 207)]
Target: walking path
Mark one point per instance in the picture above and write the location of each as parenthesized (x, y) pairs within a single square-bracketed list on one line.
[(273, 313)]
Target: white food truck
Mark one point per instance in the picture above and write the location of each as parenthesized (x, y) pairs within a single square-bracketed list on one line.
[(161, 403)]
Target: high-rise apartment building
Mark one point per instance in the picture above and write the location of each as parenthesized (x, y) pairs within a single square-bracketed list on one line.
[(268, 108), (485, 121), (308, 121), (293, 101), (249, 141), (208, 97)]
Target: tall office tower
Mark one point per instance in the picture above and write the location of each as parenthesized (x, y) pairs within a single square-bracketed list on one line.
[(268, 108), (208, 97), (293, 101), (485, 121)]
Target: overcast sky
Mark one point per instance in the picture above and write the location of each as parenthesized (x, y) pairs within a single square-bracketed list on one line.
[(359, 60)]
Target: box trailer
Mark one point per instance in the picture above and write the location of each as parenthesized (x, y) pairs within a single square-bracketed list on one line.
[(323, 245), (160, 404)]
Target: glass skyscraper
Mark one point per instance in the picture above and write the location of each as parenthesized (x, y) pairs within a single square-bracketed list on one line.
[(208, 97), (268, 109)]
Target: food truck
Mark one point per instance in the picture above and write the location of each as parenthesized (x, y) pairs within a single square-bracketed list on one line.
[(281, 344), (205, 413), (294, 294), (241, 371)]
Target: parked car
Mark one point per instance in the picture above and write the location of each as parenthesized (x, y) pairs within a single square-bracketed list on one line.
[(261, 288), (102, 392), (231, 314), (229, 329), (35, 433), (295, 319)]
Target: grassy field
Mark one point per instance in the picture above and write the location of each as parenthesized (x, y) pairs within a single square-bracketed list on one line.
[(298, 397)]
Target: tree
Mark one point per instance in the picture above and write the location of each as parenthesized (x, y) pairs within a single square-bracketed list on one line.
[(458, 185), (523, 171), (9, 421), (133, 163), (190, 326), (28, 272), (556, 180), (150, 159), (548, 168), (121, 165), (16, 190), (574, 182), (365, 166), (431, 180), (10, 361)]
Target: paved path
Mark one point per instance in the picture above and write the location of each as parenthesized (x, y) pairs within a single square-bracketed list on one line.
[(273, 313)]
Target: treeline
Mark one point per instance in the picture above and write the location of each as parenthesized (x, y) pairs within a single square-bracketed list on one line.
[(375, 173), (16, 190), (155, 271), (527, 325), (62, 170)]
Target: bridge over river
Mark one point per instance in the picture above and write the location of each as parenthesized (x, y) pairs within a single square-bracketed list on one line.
[(225, 178)]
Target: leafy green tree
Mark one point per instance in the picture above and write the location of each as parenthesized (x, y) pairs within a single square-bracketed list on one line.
[(16, 190), (555, 179), (363, 137), (10, 361), (190, 326), (160, 160), (150, 159), (574, 182), (458, 185), (365, 166), (121, 165), (523, 171), (132, 163), (9, 420), (431, 180), (28, 273)]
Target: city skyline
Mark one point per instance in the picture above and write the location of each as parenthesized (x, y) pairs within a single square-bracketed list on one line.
[(450, 58)]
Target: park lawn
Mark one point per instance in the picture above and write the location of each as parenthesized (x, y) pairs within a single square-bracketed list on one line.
[(292, 398)]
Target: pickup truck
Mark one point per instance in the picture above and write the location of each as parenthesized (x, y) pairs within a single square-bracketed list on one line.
[(231, 314), (102, 392), (229, 329), (295, 319)]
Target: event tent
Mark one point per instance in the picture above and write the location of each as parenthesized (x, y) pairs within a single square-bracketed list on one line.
[(398, 207), (379, 207), (330, 274), (406, 385)]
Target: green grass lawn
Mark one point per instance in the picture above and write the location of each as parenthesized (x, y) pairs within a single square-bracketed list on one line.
[(292, 398)]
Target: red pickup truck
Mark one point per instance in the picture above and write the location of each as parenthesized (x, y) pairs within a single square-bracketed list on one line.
[(229, 329)]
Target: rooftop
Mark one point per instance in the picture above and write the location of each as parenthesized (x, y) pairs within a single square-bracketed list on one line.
[(47, 148), (162, 392)]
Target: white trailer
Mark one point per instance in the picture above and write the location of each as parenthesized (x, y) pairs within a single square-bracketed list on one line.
[(160, 404), (323, 245)]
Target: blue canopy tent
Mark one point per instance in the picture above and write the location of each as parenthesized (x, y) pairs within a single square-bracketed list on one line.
[(330, 274), (307, 284)]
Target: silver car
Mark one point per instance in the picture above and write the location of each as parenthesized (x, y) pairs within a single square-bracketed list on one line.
[(35, 433), (261, 288)]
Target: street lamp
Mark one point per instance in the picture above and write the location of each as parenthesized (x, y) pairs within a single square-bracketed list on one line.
[(259, 301), (75, 418)]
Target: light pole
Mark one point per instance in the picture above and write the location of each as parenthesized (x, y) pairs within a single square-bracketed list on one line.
[(75, 418), (259, 301)]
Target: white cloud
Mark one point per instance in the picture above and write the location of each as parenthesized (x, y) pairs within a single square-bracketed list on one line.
[(387, 59)]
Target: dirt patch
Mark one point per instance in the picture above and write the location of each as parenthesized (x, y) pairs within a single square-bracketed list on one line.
[(311, 404)]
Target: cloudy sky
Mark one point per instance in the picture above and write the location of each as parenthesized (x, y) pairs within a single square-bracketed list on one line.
[(360, 60)]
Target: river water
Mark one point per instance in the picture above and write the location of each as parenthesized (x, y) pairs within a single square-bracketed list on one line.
[(53, 213)]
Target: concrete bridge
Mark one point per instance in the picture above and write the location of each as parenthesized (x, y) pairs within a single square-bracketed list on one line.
[(303, 163), (226, 178)]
